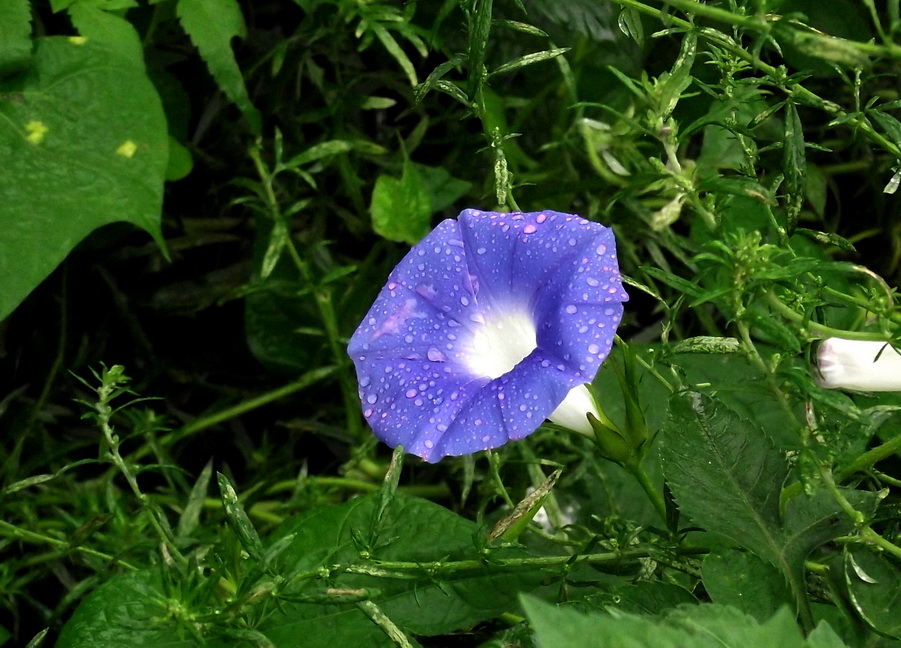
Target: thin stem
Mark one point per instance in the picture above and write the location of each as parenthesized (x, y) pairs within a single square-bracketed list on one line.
[(871, 457), (24, 535), (322, 297), (821, 329), (653, 494), (866, 532)]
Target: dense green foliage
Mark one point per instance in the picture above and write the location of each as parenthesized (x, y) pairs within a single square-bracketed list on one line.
[(183, 459)]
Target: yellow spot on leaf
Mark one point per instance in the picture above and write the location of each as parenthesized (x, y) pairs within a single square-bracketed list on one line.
[(127, 149), (36, 131), (78, 40)]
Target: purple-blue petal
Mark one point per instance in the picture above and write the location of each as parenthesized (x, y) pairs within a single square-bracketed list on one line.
[(510, 407), (411, 350)]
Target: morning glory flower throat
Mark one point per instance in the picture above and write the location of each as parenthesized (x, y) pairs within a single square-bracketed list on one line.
[(491, 324)]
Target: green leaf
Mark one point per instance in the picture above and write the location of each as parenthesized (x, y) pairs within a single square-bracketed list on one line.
[(794, 165), (727, 477), (528, 59), (109, 29), (15, 35), (401, 209), (874, 586), (429, 601), (84, 144), (397, 52), (211, 24), (444, 189), (237, 518), (688, 626), (127, 611), (725, 474), (744, 581), (673, 281)]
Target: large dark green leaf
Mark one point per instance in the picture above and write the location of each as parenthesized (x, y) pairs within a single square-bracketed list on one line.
[(689, 626), (83, 143), (727, 476)]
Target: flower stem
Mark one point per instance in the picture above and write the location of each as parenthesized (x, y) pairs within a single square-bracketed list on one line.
[(871, 457), (653, 494)]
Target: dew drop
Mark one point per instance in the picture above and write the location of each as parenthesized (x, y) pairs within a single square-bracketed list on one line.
[(371, 399), (411, 393), (429, 444), (481, 250), (593, 348), (418, 402), (365, 380), (601, 249), (571, 309), (591, 281), (464, 300), (368, 412), (436, 355), (529, 229), (541, 218)]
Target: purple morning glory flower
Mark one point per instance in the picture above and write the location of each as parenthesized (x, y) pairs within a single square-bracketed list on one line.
[(485, 327)]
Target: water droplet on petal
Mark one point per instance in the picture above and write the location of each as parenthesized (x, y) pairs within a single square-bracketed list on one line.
[(436, 355), (593, 348), (541, 218), (602, 249), (591, 281), (529, 229), (464, 300), (371, 399), (571, 309), (364, 381), (411, 393), (481, 250)]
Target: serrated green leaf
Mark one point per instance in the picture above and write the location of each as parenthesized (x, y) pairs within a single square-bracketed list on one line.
[(727, 476), (401, 209), (84, 144), (688, 626), (15, 35), (744, 581), (211, 24)]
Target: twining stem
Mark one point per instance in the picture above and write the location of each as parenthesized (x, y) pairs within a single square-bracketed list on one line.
[(416, 570)]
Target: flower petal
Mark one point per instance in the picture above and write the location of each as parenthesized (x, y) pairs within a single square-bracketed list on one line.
[(858, 365), (508, 408), (484, 328)]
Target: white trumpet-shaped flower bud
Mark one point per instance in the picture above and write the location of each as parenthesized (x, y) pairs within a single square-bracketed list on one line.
[(858, 364)]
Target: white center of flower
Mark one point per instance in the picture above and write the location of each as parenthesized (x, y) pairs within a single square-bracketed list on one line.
[(501, 343)]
